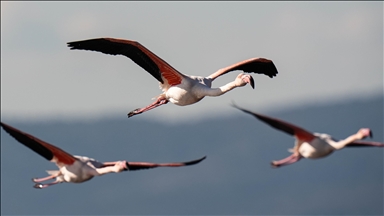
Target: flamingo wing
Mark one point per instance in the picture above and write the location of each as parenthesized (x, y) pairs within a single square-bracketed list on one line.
[(46, 150), (146, 165), (143, 57), (253, 65), (291, 129), (365, 144)]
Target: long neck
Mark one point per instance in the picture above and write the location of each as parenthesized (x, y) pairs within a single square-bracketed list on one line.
[(219, 91), (342, 143), (104, 170)]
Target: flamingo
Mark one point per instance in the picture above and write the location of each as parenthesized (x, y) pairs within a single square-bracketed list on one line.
[(178, 88), (313, 145), (78, 169)]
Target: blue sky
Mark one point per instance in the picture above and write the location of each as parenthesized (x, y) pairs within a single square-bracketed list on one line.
[(324, 51)]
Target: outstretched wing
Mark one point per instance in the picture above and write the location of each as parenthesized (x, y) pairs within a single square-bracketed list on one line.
[(146, 165), (143, 57), (46, 150), (291, 129), (365, 144), (253, 65)]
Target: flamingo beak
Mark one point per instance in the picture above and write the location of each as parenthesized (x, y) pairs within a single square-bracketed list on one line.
[(370, 134), (250, 81), (126, 167)]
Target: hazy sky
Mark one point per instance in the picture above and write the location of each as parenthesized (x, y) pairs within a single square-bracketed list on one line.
[(324, 51)]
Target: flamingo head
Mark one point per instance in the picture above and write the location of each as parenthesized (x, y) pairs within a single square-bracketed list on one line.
[(121, 166), (364, 132), (242, 80)]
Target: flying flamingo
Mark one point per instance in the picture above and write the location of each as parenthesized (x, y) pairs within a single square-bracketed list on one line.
[(77, 169), (313, 145), (178, 88)]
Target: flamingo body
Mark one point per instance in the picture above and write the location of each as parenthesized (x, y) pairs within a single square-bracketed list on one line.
[(313, 145), (317, 148), (78, 169), (178, 88), (189, 91)]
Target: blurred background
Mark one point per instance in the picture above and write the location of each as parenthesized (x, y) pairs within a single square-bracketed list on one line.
[(330, 61)]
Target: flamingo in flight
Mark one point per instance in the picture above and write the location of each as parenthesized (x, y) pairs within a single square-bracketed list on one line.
[(313, 145), (78, 169), (178, 88)]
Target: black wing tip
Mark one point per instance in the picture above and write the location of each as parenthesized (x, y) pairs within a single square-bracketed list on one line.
[(242, 109), (78, 44), (7, 128), (273, 70), (29, 141), (73, 45), (233, 104), (365, 144), (195, 161), (270, 68), (131, 167)]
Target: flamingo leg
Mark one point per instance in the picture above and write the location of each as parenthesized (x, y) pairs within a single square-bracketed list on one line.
[(288, 160), (159, 101), (45, 178), (41, 186)]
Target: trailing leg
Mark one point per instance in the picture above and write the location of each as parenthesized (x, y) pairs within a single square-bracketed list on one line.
[(159, 101)]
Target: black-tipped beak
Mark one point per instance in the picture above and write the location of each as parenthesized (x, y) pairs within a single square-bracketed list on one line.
[(252, 82), (126, 166), (370, 134)]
